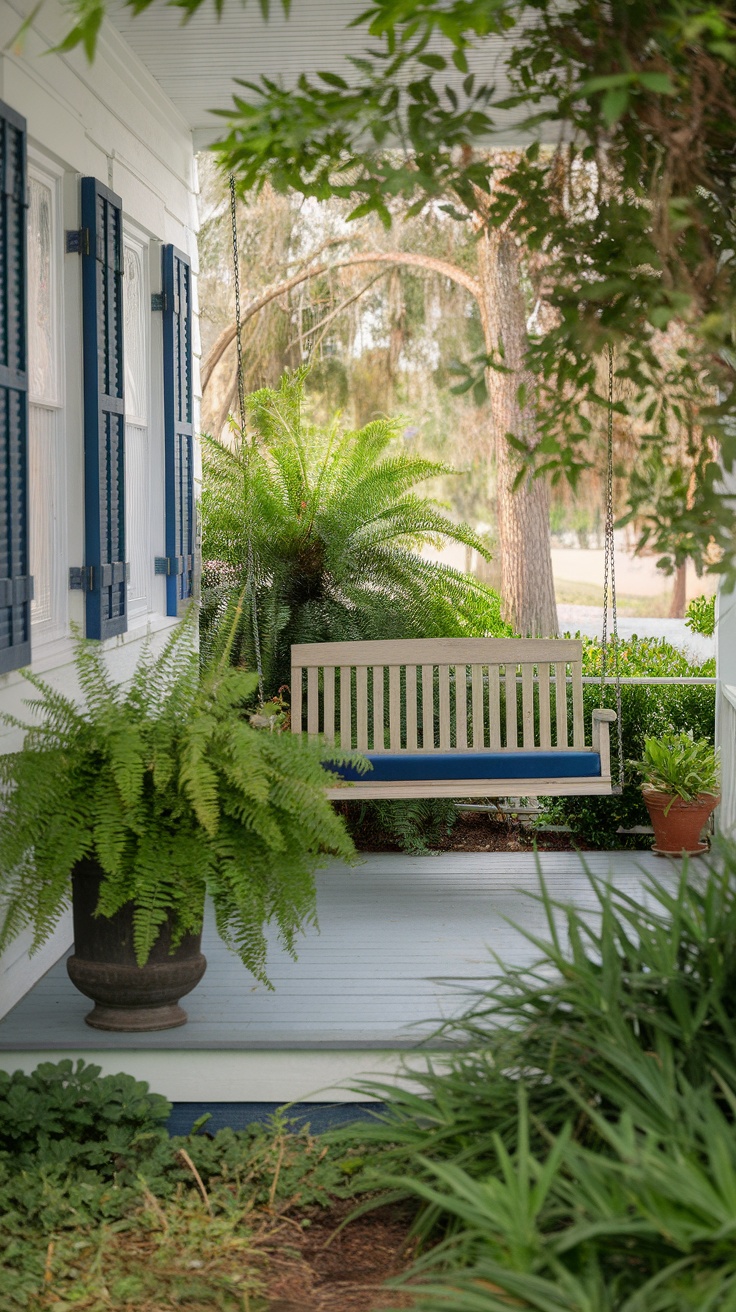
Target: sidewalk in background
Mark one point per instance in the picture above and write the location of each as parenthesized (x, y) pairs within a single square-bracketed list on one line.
[(589, 621)]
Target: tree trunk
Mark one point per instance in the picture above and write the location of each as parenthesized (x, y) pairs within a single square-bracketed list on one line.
[(679, 593), (527, 584)]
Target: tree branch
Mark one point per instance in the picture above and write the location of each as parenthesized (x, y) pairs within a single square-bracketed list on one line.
[(425, 263)]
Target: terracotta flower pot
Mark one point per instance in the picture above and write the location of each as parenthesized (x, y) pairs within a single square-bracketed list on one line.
[(127, 996), (677, 824)]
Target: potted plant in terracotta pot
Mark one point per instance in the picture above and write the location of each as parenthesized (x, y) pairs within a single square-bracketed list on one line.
[(139, 801), (680, 789)]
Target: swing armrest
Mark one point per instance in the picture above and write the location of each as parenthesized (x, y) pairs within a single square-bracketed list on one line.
[(603, 716)]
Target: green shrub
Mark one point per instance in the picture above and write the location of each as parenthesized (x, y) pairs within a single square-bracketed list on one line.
[(62, 1114), (700, 615), (414, 824), (647, 711)]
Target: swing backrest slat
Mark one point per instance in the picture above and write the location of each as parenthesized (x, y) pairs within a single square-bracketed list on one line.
[(444, 694)]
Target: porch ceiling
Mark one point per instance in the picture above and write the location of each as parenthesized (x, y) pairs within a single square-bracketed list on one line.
[(196, 63)]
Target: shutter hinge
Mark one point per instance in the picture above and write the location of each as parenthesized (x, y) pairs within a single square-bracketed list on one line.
[(77, 241), (81, 578), (158, 301)]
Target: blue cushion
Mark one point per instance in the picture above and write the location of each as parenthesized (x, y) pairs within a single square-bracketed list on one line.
[(400, 766)]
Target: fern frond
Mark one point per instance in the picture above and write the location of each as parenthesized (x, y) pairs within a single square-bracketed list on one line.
[(335, 525)]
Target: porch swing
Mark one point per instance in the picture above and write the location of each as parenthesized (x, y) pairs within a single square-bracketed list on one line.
[(456, 717)]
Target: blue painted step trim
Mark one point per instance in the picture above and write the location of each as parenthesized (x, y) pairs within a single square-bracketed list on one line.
[(320, 1116)]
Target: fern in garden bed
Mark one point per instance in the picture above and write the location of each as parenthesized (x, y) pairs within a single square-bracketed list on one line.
[(167, 786), (335, 528)]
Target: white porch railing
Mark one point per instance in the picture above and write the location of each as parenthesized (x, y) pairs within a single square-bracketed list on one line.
[(726, 739)]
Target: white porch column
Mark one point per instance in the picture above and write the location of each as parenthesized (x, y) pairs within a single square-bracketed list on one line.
[(726, 704)]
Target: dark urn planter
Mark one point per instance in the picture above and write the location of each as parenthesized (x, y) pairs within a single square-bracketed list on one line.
[(127, 996), (678, 825)]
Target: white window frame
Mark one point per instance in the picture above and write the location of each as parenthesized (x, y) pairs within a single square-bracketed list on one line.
[(53, 627), (139, 607)]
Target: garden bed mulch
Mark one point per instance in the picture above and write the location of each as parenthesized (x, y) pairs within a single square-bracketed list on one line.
[(305, 1260), (475, 831), (331, 1267)]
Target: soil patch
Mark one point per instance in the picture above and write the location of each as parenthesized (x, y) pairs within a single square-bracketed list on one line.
[(476, 831), (328, 1266)]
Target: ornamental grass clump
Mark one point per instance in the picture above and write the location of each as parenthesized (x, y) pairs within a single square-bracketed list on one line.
[(576, 1152), (166, 785)]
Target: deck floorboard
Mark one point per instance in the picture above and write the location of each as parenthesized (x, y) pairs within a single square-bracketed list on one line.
[(402, 941)]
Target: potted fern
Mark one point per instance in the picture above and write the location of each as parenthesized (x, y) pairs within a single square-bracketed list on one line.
[(680, 790), (137, 803)]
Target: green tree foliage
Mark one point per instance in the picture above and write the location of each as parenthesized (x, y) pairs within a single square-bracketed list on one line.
[(700, 615), (165, 784), (334, 527), (633, 213)]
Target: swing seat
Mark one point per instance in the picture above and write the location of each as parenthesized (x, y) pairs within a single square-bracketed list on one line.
[(453, 717), (390, 767)]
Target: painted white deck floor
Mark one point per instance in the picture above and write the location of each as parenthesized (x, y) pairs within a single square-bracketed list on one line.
[(402, 939)]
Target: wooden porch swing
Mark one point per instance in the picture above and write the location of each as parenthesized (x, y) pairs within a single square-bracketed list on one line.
[(442, 717), (440, 733)]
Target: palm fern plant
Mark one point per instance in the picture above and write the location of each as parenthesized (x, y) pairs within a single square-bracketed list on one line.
[(322, 529), (167, 787)]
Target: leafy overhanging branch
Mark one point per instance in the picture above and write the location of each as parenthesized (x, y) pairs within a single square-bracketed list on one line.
[(633, 211)]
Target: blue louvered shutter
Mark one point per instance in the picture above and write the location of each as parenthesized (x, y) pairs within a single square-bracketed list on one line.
[(104, 410), (16, 585), (179, 562)]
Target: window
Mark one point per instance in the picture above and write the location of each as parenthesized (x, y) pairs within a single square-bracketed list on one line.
[(45, 413), (137, 355)]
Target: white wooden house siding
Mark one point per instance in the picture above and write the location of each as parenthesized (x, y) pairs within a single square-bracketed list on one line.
[(109, 121)]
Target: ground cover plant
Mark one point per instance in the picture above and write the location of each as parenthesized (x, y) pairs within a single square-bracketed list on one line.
[(578, 1152), (101, 1209)]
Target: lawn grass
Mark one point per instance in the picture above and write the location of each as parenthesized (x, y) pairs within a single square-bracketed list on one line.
[(570, 593)]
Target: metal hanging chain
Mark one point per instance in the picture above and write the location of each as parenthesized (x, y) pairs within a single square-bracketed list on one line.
[(250, 566), (609, 572)]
